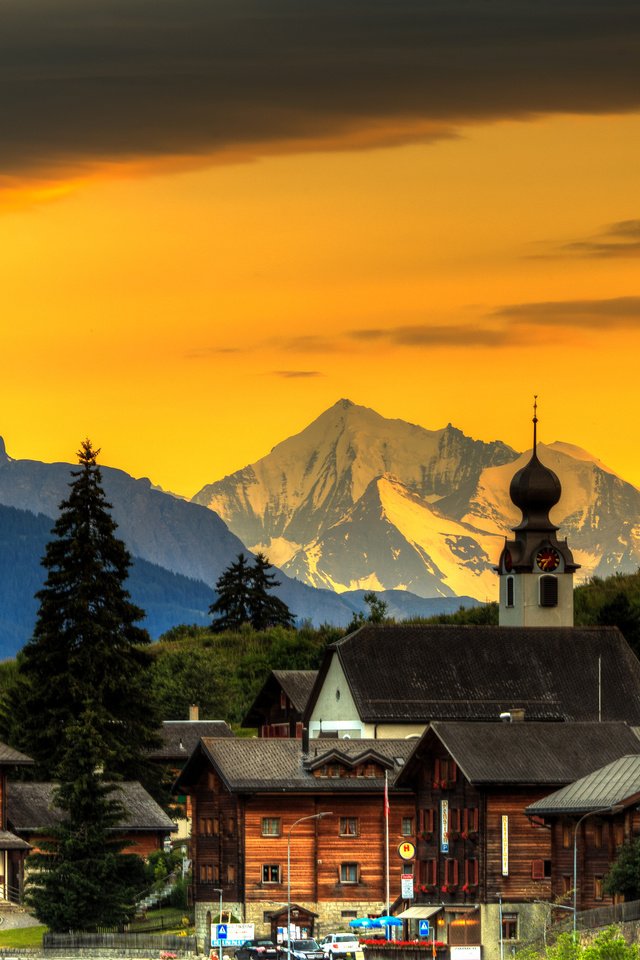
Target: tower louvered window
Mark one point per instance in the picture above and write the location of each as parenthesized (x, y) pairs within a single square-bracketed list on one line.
[(548, 591)]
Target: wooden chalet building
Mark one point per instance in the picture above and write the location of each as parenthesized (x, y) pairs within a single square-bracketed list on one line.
[(178, 740), (483, 865), (251, 797), (13, 849), (279, 707), (600, 813), (143, 827)]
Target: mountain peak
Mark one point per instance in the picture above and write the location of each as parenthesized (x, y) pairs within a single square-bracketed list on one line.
[(3, 451)]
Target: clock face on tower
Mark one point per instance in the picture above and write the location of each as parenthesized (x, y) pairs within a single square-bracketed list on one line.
[(547, 559)]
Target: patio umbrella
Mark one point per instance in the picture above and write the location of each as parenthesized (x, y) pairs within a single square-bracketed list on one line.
[(390, 921), (365, 922)]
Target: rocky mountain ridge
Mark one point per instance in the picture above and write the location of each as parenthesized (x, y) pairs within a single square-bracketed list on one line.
[(357, 501)]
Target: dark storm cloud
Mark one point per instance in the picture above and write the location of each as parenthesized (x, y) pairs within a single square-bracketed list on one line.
[(90, 80), (616, 312)]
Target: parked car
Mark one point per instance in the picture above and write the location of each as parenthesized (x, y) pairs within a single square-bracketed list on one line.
[(257, 950), (340, 945), (302, 950)]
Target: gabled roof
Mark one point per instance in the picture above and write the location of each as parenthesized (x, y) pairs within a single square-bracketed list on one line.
[(180, 737), (30, 807), (420, 673), (12, 757), (617, 783), (524, 753), (297, 684), (258, 765)]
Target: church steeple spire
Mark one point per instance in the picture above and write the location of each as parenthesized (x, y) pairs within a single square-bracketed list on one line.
[(536, 569)]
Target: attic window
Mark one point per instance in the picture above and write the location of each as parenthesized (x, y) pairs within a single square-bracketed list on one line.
[(548, 591), (337, 694)]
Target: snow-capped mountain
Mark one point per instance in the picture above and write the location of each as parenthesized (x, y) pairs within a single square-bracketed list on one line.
[(356, 501)]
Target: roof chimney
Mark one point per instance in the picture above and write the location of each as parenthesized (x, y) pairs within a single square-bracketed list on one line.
[(194, 712)]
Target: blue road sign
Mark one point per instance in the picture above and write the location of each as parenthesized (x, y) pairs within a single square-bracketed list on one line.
[(221, 931), (424, 928)]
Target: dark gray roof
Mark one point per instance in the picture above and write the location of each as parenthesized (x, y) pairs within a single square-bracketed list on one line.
[(617, 783), (297, 684), (180, 737), (9, 841), (526, 753), (30, 807), (274, 764), (421, 673), (10, 756)]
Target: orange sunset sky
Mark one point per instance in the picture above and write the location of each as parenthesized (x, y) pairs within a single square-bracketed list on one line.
[(218, 218)]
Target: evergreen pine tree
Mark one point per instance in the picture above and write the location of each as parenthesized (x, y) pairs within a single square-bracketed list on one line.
[(243, 597), (86, 647), (233, 588), (79, 879), (266, 609)]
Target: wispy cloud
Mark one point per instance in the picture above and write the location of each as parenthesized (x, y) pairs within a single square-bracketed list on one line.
[(427, 335), (619, 240), (613, 312), (84, 83), (297, 374)]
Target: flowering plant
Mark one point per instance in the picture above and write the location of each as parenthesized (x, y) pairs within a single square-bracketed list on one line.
[(403, 943)]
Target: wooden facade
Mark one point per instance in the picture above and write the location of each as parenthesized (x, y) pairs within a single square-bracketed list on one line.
[(483, 857), (242, 834)]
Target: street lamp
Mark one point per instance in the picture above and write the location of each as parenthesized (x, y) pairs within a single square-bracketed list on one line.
[(312, 816), (616, 808), (219, 890)]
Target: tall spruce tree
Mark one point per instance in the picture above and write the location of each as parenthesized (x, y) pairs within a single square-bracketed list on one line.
[(79, 879), (86, 648), (244, 597), (267, 610)]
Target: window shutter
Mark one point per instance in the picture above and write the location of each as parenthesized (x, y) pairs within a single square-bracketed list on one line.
[(537, 869), (436, 771), (455, 871)]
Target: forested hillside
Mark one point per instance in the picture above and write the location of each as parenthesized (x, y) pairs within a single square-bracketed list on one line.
[(223, 672)]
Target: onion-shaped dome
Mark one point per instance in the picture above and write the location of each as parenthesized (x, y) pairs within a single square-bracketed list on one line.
[(535, 489)]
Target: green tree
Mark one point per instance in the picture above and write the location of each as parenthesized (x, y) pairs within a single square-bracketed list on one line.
[(266, 609), (377, 612), (232, 608), (80, 879), (244, 597), (86, 648), (624, 875)]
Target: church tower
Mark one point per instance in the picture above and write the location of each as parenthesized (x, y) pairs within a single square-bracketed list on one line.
[(536, 569)]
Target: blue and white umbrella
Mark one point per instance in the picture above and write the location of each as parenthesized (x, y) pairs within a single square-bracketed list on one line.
[(366, 923)]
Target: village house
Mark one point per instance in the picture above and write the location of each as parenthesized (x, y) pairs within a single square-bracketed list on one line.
[(592, 819), (13, 849), (178, 740), (249, 798), (279, 707), (143, 828)]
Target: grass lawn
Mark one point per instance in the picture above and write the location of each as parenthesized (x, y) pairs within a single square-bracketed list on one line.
[(21, 937)]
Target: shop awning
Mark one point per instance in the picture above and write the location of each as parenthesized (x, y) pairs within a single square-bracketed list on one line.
[(419, 913)]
